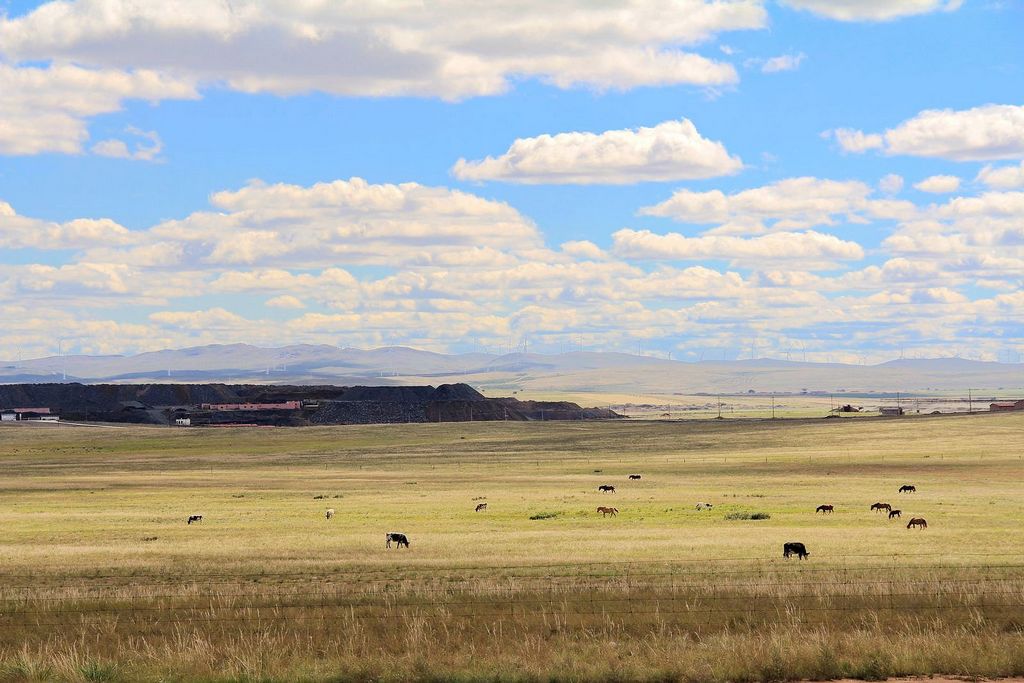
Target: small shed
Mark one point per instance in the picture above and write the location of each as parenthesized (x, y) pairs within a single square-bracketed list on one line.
[(1006, 406), (890, 411)]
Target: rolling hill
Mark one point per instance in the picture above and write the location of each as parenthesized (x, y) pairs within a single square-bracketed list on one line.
[(574, 372)]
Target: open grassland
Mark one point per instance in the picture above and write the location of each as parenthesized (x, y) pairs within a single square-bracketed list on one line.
[(102, 579)]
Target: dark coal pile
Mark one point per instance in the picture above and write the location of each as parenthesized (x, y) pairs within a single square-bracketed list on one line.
[(319, 405)]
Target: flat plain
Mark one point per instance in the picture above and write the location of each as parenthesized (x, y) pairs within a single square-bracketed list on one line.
[(101, 578)]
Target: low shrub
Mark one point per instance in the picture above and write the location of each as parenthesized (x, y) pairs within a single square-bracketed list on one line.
[(544, 515), (747, 515)]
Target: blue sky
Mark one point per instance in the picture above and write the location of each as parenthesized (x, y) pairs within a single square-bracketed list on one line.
[(122, 126)]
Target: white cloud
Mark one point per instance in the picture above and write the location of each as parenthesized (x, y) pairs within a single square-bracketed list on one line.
[(451, 50), (855, 141), (145, 149), (673, 150), (348, 221), (891, 184), (939, 184), (1002, 177), (803, 246), (45, 109), (212, 320), (284, 301), (450, 266), (989, 132), (19, 232), (783, 63), (584, 249), (789, 204), (872, 10)]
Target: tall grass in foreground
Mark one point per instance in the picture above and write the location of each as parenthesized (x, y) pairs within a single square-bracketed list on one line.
[(429, 648), (652, 622)]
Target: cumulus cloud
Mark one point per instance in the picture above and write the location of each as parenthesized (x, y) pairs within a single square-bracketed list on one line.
[(450, 50), (584, 249), (673, 150), (46, 109), (348, 221), (20, 232), (989, 132), (939, 184), (146, 147), (809, 245), (789, 204), (284, 301), (855, 141), (447, 266), (872, 10), (1002, 177)]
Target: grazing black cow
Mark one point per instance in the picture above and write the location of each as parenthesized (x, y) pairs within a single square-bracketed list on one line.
[(195, 518), (895, 513), (400, 539), (608, 488), (825, 509), (634, 477), (794, 549), (908, 488)]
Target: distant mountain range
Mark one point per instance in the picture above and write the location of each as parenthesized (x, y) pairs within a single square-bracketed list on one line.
[(570, 372)]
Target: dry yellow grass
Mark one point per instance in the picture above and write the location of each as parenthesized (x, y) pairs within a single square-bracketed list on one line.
[(100, 577)]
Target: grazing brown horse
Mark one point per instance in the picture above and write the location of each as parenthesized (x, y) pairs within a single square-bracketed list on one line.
[(895, 513), (881, 506), (908, 488), (605, 511), (825, 509), (480, 506), (918, 522)]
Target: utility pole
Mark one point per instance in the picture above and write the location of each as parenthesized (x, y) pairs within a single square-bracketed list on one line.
[(773, 405), (970, 402), (719, 406)]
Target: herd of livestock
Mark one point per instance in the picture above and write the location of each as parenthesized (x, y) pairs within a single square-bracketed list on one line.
[(788, 549)]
